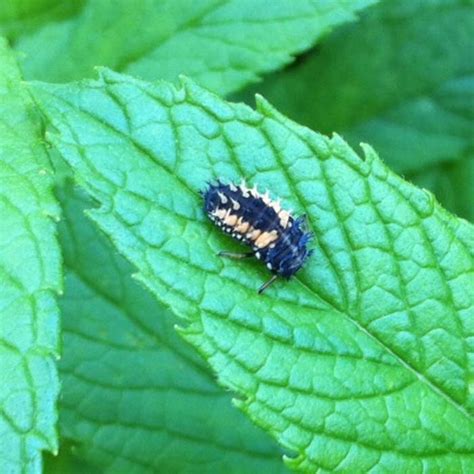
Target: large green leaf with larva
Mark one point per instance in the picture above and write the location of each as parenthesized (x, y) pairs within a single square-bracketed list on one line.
[(412, 95), (222, 44), (364, 361), (135, 396), (29, 280)]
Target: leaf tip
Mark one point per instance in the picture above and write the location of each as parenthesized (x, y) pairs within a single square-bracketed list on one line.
[(293, 463), (186, 87), (264, 107), (238, 403), (185, 80), (181, 330), (369, 153)]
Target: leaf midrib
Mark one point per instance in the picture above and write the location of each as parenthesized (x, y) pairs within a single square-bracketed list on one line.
[(402, 362)]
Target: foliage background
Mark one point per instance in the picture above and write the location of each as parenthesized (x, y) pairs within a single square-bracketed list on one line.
[(398, 75)]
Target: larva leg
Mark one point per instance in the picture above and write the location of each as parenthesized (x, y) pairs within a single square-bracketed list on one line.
[(267, 284), (236, 255)]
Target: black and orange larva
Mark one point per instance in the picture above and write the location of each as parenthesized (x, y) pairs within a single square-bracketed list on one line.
[(276, 237)]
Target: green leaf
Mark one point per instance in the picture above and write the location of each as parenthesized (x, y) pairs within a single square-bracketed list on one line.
[(172, 417), (365, 360), (30, 276), (402, 78), (223, 45), (19, 17)]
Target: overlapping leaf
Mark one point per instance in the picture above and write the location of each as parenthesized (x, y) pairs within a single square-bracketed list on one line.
[(135, 397), (402, 78), (30, 277), (222, 44), (19, 17), (365, 360)]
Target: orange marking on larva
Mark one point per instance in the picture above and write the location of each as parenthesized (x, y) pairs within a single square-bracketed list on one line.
[(253, 234), (242, 226), (266, 238), (220, 213), (230, 220)]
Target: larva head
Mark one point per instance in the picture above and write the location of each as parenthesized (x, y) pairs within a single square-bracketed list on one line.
[(291, 251)]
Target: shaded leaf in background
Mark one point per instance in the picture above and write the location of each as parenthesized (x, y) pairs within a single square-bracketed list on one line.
[(402, 78), (30, 277), (365, 360), (135, 396), (66, 462), (223, 45), (19, 17), (452, 183)]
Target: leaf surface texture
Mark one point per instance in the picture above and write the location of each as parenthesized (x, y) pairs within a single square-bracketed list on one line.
[(363, 361)]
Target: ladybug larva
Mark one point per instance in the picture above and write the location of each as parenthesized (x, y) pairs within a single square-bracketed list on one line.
[(276, 237)]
